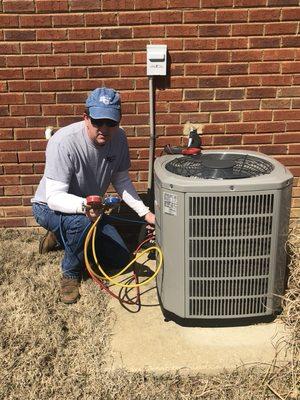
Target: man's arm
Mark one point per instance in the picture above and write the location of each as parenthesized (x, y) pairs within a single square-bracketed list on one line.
[(123, 185), (58, 198)]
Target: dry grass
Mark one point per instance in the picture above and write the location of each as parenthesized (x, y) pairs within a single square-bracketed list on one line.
[(53, 351)]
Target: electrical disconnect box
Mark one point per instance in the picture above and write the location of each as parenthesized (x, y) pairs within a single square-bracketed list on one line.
[(156, 59)]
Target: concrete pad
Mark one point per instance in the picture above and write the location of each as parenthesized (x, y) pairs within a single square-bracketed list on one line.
[(143, 341)]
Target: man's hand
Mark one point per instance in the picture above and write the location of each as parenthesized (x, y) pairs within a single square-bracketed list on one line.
[(93, 213), (150, 218)]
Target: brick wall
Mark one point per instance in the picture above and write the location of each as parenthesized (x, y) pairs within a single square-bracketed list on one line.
[(234, 68)]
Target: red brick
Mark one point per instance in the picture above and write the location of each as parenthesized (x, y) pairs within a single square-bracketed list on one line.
[(213, 82), (12, 222), (29, 133), (101, 46), (200, 69), (295, 103), (200, 44), (167, 119), (292, 14), (289, 160), (216, 3), (4, 111), (273, 104), (290, 67), (214, 56), (149, 31), (134, 18), (257, 93), (66, 20), (27, 86), (247, 29), (10, 201), (240, 128), (264, 42), (8, 158), (291, 41), (293, 126), (135, 96), (36, 48), (9, 180), (214, 106), (84, 33), (12, 73), (250, 3), (163, 140), (12, 122), (133, 45), (51, 34), (232, 69), (172, 44), (54, 109), (18, 190), (24, 61), (40, 121), (225, 117), (18, 169), (110, 19), (181, 31), (294, 149), (118, 58), (232, 43), (199, 16), (222, 94), (183, 82), (245, 105), (51, 86), (260, 115), (11, 98), (281, 28), (183, 3), (279, 80), (227, 139), (264, 68), (51, 6), (20, 35), (214, 30), (266, 127), (85, 59), (35, 21), (18, 6), (116, 33), (31, 156), (71, 72), (257, 139), (279, 54), (11, 21), (150, 4), (14, 145), (39, 73), (52, 60), (198, 94), (9, 48), (232, 16), (88, 5), (273, 149), (286, 114), (38, 98), (101, 72), (25, 110), (271, 14), (184, 106), (71, 98), (283, 3), (119, 84), (213, 128), (37, 145), (289, 92)]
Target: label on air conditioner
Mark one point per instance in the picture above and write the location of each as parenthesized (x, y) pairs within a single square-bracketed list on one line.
[(170, 203)]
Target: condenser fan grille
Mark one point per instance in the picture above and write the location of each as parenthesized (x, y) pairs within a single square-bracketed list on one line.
[(219, 166)]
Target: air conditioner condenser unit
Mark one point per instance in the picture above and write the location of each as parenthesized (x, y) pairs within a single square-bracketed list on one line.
[(221, 221)]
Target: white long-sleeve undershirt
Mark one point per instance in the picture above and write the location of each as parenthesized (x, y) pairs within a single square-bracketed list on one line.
[(59, 199)]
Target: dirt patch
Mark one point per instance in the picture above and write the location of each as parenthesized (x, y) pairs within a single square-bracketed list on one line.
[(53, 351)]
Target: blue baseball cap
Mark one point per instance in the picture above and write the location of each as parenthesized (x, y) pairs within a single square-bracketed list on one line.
[(104, 103)]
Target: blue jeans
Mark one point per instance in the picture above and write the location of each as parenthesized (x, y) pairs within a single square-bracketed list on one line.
[(111, 250)]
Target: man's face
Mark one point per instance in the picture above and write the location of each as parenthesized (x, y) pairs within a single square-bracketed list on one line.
[(100, 130)]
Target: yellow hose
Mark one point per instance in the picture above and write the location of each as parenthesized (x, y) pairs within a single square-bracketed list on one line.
[(111, 279)]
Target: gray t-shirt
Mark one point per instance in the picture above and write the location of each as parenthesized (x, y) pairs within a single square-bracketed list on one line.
[(71, 157)]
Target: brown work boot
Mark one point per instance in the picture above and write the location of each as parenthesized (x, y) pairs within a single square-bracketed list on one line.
[(48, 243), (69, 289)]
